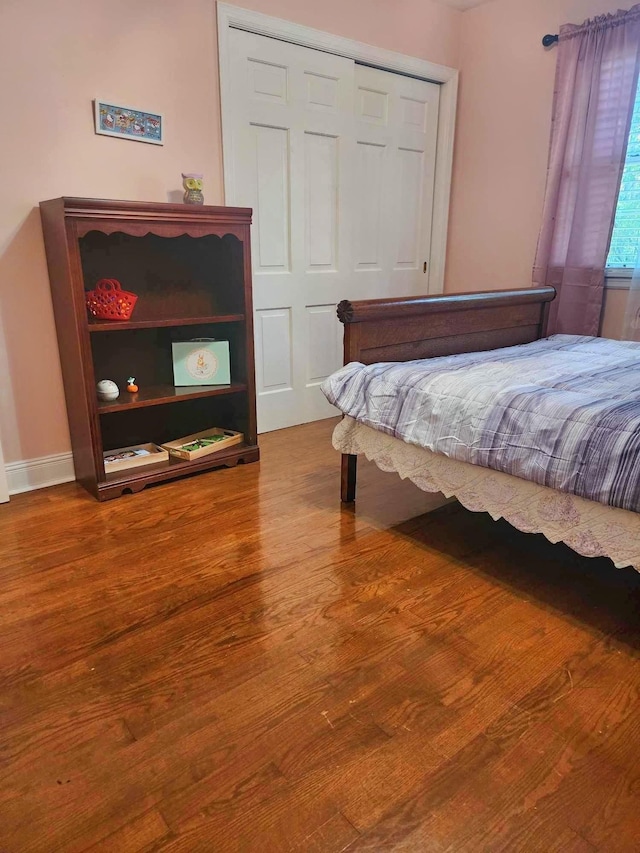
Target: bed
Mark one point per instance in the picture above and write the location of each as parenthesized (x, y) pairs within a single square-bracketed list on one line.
[(568, 458)]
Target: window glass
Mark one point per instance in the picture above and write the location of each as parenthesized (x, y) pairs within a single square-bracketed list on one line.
[(625, 239)]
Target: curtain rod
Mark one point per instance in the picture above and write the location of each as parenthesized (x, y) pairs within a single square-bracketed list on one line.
[(549, 39)]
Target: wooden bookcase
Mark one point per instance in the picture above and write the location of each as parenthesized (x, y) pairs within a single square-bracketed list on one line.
[(190, 267)]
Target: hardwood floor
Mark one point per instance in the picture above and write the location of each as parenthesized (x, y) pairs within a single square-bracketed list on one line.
[(234, 663)]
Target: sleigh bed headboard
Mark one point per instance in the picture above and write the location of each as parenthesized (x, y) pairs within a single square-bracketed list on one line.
[(421, 327)]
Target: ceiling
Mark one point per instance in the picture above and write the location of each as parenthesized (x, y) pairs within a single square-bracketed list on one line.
[(462, 4)]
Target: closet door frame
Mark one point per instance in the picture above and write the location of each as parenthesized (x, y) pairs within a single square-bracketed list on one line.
[(232, 17), (4, 487)]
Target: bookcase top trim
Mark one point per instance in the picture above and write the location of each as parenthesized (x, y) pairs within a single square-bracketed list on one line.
[(168, 212)]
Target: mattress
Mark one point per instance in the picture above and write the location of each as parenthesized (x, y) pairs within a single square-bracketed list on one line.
[(562, 412)]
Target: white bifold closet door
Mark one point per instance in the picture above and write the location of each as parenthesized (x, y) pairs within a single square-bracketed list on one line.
[(337, 161)]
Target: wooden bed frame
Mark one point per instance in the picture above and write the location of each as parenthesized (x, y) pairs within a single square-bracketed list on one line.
[(424, 327)]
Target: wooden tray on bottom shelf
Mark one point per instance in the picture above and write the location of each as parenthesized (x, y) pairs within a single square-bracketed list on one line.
[(180, 447), (149, 455)]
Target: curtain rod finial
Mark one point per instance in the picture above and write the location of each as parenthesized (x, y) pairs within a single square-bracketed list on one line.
[(549, 39)]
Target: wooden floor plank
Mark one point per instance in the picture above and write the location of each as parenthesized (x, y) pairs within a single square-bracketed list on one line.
[(142, 834)]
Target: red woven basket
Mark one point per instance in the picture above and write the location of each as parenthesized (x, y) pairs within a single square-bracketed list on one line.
[(109, 301)]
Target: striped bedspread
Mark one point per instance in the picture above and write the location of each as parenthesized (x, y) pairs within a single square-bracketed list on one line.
[(563, 411)]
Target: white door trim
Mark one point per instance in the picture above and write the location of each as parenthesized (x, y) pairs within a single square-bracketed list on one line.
[(4, 486), (255, 22)]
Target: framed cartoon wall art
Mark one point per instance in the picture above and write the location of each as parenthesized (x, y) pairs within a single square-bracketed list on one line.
[(128, 123), (201, 361)]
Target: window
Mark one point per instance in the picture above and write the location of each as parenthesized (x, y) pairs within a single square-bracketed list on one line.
[(625, 239)]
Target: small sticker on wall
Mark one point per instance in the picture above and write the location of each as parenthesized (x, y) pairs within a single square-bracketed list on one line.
[(128, 123)]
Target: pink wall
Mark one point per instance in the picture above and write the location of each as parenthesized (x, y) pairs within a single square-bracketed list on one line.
[(161, 54), (502, 139)]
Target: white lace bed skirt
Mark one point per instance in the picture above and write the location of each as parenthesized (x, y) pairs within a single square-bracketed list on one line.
[(590, 528)]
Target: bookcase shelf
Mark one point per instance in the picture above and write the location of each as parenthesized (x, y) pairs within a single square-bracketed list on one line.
[(114, 326), (159, 395), (190, 267)]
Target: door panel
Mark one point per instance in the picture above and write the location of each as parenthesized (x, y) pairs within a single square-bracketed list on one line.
[(273, 347), (368, 201), (321, 202), (337, 162), (396, 127), (325, 339), (409, 178), (271, 155)]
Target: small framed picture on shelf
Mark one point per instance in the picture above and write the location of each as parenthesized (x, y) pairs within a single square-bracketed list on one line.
[(201, 362), (133, 456), (128, 123)]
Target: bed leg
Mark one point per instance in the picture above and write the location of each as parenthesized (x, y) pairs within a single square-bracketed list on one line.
[(348, 478)]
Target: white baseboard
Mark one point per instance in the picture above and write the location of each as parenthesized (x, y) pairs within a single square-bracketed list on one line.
[(29, 474)]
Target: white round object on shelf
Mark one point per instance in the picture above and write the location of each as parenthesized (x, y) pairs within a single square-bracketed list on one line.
[(107, 390)]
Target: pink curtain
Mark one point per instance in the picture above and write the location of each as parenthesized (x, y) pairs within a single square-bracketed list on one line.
[(596, 80)]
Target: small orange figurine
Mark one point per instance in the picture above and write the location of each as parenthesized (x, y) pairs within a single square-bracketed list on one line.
[(131, 385)]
